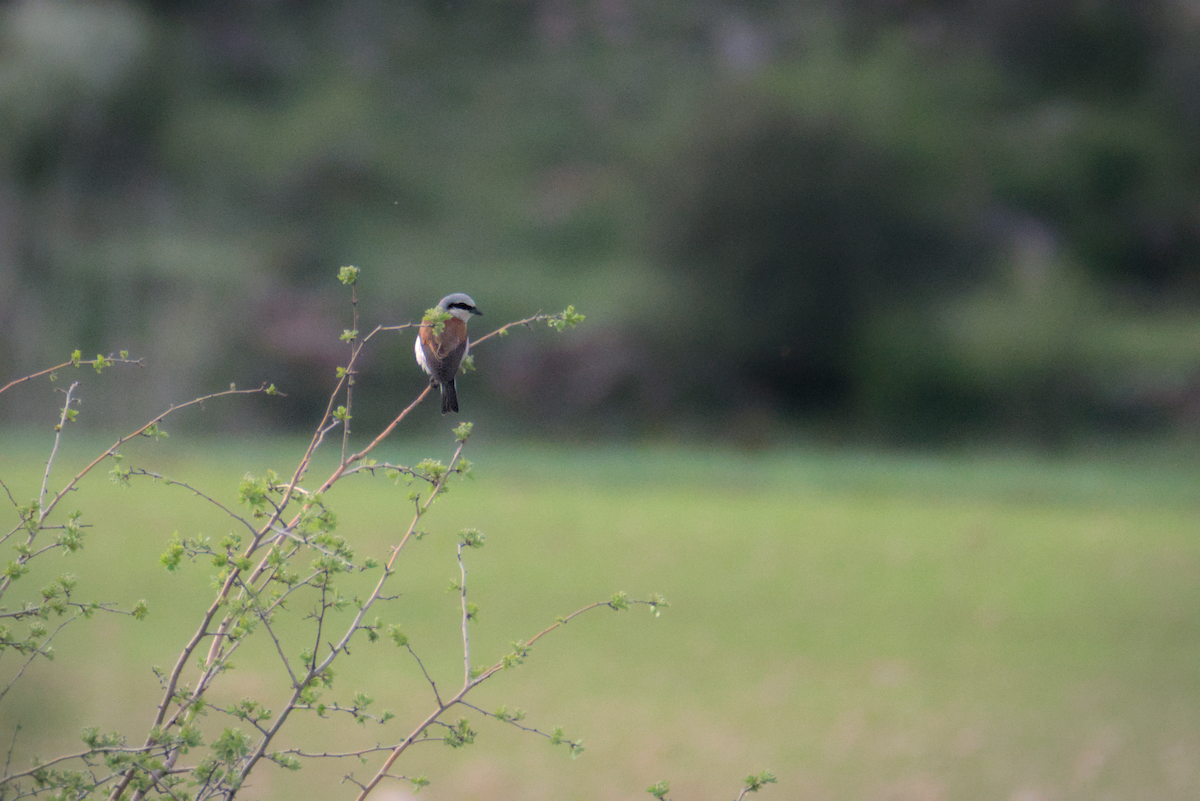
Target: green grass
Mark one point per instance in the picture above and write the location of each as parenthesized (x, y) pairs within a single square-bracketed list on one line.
[(865, 625)]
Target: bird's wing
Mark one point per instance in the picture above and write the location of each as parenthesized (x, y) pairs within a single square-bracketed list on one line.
[(453, 340)]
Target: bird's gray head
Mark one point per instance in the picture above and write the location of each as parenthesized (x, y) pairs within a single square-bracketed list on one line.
[(460, 305)]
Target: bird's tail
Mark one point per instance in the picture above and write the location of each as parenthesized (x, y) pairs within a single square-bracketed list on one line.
[(449, 398)]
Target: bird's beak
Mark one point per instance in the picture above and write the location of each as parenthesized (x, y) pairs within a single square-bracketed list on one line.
[(477, 311)]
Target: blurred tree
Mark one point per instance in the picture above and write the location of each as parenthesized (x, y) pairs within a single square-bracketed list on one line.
[(795, 236), (179, 178)]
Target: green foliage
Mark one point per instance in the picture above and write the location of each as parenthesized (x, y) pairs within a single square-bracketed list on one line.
[(119, 475), (755, 782), (436, 318), (459, 734), (471, 538), (567, 319), (505, 715), (349, 275), (397, 636), (432, 470), (520, 650), (100, 363), (154, 432)]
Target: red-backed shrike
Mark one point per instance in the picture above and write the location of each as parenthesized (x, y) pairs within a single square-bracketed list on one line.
[(441, 355)]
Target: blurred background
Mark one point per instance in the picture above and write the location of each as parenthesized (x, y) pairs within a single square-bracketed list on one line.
[(945, 251), (879, 221)]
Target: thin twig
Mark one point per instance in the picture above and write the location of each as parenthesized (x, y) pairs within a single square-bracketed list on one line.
[(65, 365), (154, 422), (328, 755), (355, 348), (514, 722), (58, 431), (264, 618), (8, 492), (432, 684), (11, 747), (137, 471), (466, 617), (9, 779)]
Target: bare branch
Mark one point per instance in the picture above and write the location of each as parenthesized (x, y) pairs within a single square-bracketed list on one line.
[(265, 618), (137, 471), (466, 616), (432, 684), (328, 755), (152, 423), (58, 430), (72, 363)]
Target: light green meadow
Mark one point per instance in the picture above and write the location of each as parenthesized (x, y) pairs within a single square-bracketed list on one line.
[(865, 625)]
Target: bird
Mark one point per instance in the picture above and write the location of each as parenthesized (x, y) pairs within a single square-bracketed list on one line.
[(440, 355)]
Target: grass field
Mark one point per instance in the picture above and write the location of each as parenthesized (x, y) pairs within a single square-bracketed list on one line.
[(868, 626)]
